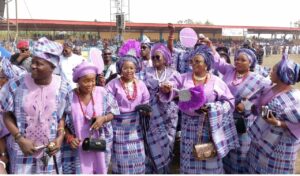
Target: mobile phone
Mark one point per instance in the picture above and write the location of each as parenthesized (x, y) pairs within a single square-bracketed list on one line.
[(265, 112)]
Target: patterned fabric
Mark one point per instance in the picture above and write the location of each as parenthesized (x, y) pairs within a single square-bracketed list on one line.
[(128, 155), (48, 50), (163, 122), (221, 126), (72, 157), (273, 149), (263, 71), (181, 61), (234, 162), (13, 96)]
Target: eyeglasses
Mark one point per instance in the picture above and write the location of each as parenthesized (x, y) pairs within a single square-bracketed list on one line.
[(106, 54), (144, 47), (156, 57)]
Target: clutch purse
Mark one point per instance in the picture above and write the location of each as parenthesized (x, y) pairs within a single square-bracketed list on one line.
[(94, 144), (204, 151)]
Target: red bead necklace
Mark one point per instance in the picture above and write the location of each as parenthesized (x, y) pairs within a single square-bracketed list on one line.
[(125, 88), (84, 112)]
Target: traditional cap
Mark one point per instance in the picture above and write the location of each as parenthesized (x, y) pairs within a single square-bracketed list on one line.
[(83, 69), (48, 50)]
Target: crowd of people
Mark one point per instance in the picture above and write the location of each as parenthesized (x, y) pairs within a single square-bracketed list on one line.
[(64, 114)]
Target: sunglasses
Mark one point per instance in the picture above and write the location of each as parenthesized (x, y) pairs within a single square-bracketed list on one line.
[(23, 50), (156, 57), (106, 54), (144, 47)]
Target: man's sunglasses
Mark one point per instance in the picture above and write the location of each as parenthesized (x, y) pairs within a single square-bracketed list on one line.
[(23, 50), (106, 54)]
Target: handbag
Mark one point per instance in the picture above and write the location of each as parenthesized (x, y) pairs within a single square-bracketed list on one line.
[(204, 151), (94, 144), (240, 123)]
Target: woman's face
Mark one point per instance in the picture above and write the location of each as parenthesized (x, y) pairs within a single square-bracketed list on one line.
[(128, 70), (273, 75), (41, 69), (198, 64), (158, 60), (87, 83), (242, 63)]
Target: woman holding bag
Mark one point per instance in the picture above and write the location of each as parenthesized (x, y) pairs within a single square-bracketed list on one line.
[(213, 124), (275, 135), (92, 110)]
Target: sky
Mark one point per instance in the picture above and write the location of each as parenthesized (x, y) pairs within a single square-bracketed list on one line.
[(219, 12)]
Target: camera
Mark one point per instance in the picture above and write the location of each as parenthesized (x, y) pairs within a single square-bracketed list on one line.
[(265, 112)]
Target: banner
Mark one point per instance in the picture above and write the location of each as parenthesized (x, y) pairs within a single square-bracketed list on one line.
[(234, 32)]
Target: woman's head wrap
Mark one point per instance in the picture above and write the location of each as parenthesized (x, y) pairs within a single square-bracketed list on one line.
[(288, 71), (205, 52), (164, 51), (130, 51), (83, 69), (48, 50), (250, 56)]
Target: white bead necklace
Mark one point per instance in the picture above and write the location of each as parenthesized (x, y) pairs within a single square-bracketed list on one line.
[(162, 78)]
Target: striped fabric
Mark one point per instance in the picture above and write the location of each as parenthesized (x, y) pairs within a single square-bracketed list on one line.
[(128, 155), (70, 157), (158, 139), (235, 161), (273, 149), (223, 135), (12, 99)]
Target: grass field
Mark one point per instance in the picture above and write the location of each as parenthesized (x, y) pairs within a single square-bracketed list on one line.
[(269, 62)]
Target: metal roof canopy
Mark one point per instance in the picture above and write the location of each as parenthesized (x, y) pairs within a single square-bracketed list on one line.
[(88, 26)]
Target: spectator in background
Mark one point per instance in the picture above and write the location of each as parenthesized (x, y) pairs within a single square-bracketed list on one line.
[(77, 50), (23, 58), (68, 61)]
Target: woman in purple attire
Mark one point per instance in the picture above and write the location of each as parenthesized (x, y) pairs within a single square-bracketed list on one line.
[(128, 153), (245, 85), (218, 128), (276, 135), (89, 102), (163, 122)]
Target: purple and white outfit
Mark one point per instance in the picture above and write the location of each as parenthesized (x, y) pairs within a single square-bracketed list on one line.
[(79, 121), (128, 155), (92, 162), (273, 149), (235, 161), (38, 110), (221, 127), (163, 122)]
